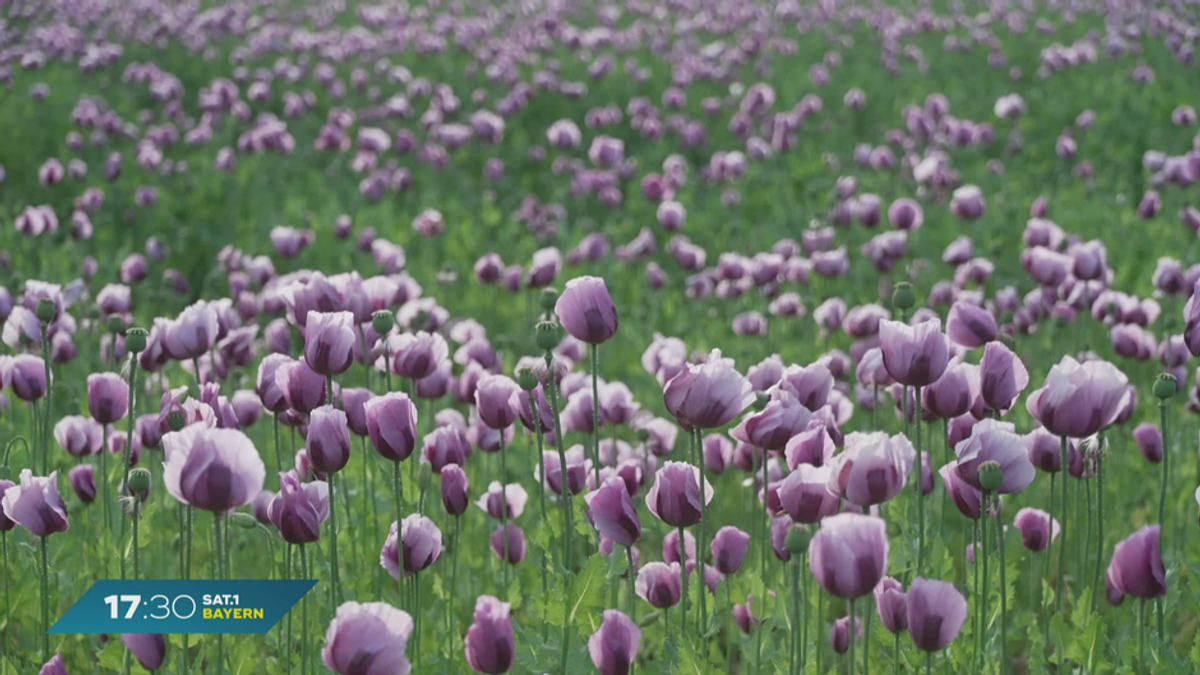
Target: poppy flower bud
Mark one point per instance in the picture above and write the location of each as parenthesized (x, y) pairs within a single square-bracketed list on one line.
[(548, 335), (991, 476), (425, 476), (135, 339), (903, 297), (46, 310), (548, 299), (1165, 386), (383, 321)]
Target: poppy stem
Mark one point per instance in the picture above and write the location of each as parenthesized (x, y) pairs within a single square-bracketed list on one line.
[(983, 523), (1099, 526), (1142, 633), (335, 591), (106, 496), (136, 518), (304, 665), (453, 582), (1003, 606), (220, 560), (46, 412), (1060, 583), (928, 663), (45, 603), (920, 489), (563, 479), (1049, 559), (896, 653), (794, 635), (701, 546), (820, 642), (7, 603), (853, 629), (595, 349), (867, 636), (804, 603), (1162, 504), (397, 495), (278, 456), (537, 429), (683, 575), (504, 562)]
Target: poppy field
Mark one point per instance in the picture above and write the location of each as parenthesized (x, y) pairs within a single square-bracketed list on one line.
[(548, 338)]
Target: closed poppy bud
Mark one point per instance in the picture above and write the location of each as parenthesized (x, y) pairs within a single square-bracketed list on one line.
[(936, 612), (892, 605), (149, 649), (108, 397), (455, 489), (849, 554), (1150, 441), (614, 646), (659, 584), (613, 513), (1037, 529), (515, 543), (368, 638), (329, 342), (489, 642), (729, 548), (586, 310), (391, 422), (328, 440), (83, 481)]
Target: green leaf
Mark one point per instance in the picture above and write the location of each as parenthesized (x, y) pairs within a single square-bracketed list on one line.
[(587, 592), (689, 661), (111, 656)]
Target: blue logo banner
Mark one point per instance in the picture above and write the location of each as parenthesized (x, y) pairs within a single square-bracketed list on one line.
[(177, 606)]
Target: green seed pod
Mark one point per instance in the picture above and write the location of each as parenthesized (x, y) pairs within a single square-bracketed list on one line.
[(649, 619), (548, 335), (46, 311), (548, 298), (526, 379), (903, 297), (991, 476), (115, 324), (1165, 386), (797, 539), (135, 339), (139, 480), (175, 420), (383, 321)]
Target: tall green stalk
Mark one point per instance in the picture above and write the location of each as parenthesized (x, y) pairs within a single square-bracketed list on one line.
[(1060, 583), (701, 545), (1003, 606), (920, 490)]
